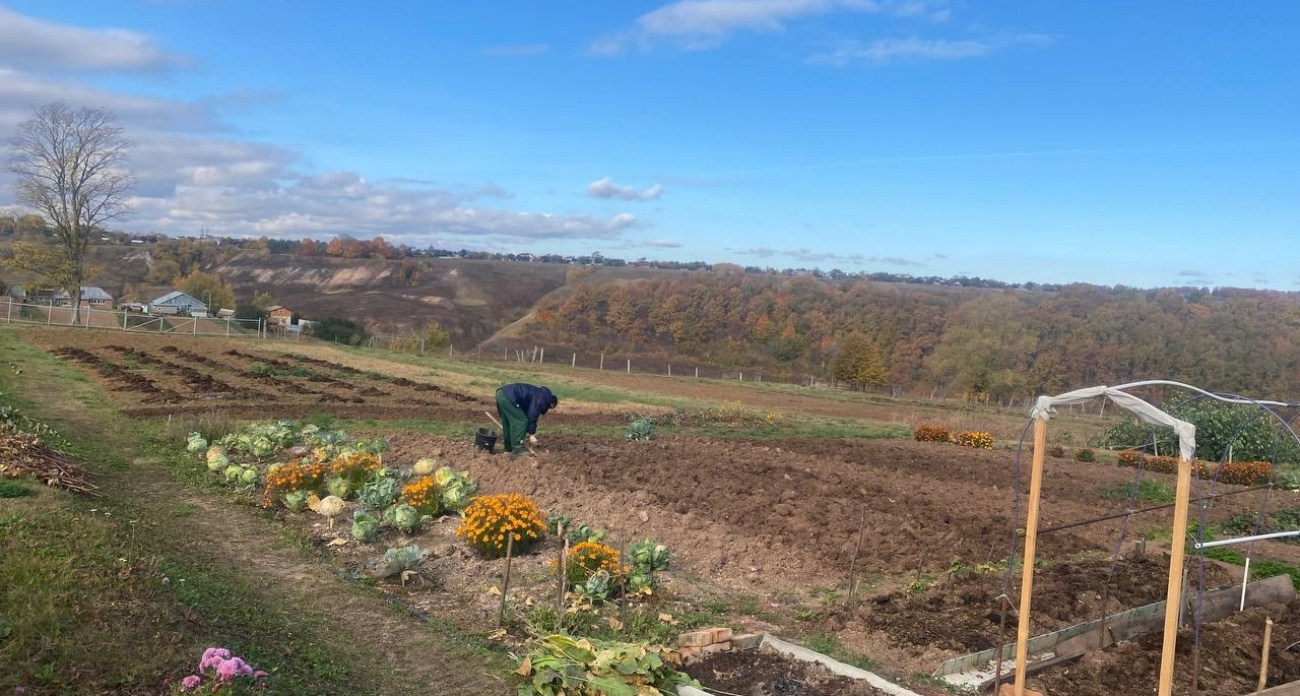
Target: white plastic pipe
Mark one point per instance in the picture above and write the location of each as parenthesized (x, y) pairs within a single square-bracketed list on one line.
[(1243, 540)]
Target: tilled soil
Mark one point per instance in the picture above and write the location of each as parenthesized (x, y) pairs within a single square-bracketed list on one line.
[(1230, 659), (770, 674), (963, 614), (788, 516)]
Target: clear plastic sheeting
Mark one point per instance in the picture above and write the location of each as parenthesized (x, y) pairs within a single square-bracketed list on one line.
[(1046, 406)]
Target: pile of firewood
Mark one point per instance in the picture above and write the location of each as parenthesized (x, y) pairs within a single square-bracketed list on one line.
[(23, 454)]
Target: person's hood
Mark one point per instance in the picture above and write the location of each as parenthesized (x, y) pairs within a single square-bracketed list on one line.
[(547, 392)]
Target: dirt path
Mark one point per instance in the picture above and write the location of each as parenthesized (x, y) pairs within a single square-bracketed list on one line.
[(389, 651), (399, 645)]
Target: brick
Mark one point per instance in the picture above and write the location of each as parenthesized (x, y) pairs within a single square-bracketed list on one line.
[(716, 648), (746, 641), (721, 635), (695, 639)]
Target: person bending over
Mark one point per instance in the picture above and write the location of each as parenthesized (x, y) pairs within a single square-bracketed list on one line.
[(520, 405)]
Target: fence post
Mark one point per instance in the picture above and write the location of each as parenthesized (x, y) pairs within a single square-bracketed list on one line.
[(670, 369), (742, 376), (602, 362), (194, 326), (9, 316), (227, 328), (125, 314), (574, 364), (697, 372), (542, 357), (629, 366), (49, 316)]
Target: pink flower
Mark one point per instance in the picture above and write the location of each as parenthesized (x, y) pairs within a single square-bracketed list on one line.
[(234, 667), (190, 682), (212, 658)]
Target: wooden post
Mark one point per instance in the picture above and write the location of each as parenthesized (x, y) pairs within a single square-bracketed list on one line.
[(742, 376), (1263, 661), (542, 357), (563, 573), (629, 366), (1031, 548), (505, 586), (697, 372), (602, 362), (9, 315), (1173, 602), (574, 362), (126, 314), (670, 369)]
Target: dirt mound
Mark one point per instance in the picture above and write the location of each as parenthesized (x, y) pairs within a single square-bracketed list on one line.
[(962, 613), (770, 674), (1230, 652)]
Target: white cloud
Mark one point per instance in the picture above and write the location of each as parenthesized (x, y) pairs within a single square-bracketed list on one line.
[(664, 243), (705, 24), (516, 50), (193, 169), (883, 51), (810, 256), (37, 45), (606, 188)]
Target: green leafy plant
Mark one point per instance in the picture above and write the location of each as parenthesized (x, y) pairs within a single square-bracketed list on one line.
[(380, 492), (586, 532), (296, 500), (1085, 455), (559, 664), (455, 489), (405, 517), (364, 527), (641, 430)]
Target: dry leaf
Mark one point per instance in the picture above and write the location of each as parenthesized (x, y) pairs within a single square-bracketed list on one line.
[(525, 667), (494, 591), (668, 619), (338, 542), (615, 624)]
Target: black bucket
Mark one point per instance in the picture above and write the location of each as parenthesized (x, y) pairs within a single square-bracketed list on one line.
[(485, 439)]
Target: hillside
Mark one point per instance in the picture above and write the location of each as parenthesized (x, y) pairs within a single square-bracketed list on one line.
[(1000, 343), (926, 338)]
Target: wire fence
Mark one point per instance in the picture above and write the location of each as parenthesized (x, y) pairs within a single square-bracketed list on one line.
[(86, 318)]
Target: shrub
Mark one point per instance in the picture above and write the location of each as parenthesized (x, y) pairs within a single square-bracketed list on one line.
[(355, 467), (1085, 455), (588, 559), (423, 495), (1056, 451), (1235, 473), (979, 439), (288, 478), (930, 433), (1130, 458), (489, 518)]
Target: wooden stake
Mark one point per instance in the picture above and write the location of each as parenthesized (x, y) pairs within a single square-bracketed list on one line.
[(505, 586), (1263, 660), (1173, 600), (1031, 548), (1002, 641), (560, 565), (853, 578)]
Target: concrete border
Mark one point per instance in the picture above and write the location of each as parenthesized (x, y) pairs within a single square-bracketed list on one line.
[(801, 653)]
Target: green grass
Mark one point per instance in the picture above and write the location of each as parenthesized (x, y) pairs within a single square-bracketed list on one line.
[(829, 644), (1148, 491), (83, 603), (13, 489)]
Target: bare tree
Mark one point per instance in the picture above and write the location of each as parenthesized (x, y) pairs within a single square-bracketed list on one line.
[(70, 167)]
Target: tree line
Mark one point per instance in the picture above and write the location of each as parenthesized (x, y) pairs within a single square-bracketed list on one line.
[(981, 343)]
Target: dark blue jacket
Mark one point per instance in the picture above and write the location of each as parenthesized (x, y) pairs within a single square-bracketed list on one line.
[(533, 401)]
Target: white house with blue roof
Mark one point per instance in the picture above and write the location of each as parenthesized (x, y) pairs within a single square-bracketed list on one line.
[(177, 302)]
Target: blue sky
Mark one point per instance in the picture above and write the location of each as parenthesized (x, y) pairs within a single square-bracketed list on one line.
[(1147, 143)]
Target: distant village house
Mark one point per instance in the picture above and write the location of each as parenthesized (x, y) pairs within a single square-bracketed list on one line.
[(280, 315), (179, 303), (91, 298)]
